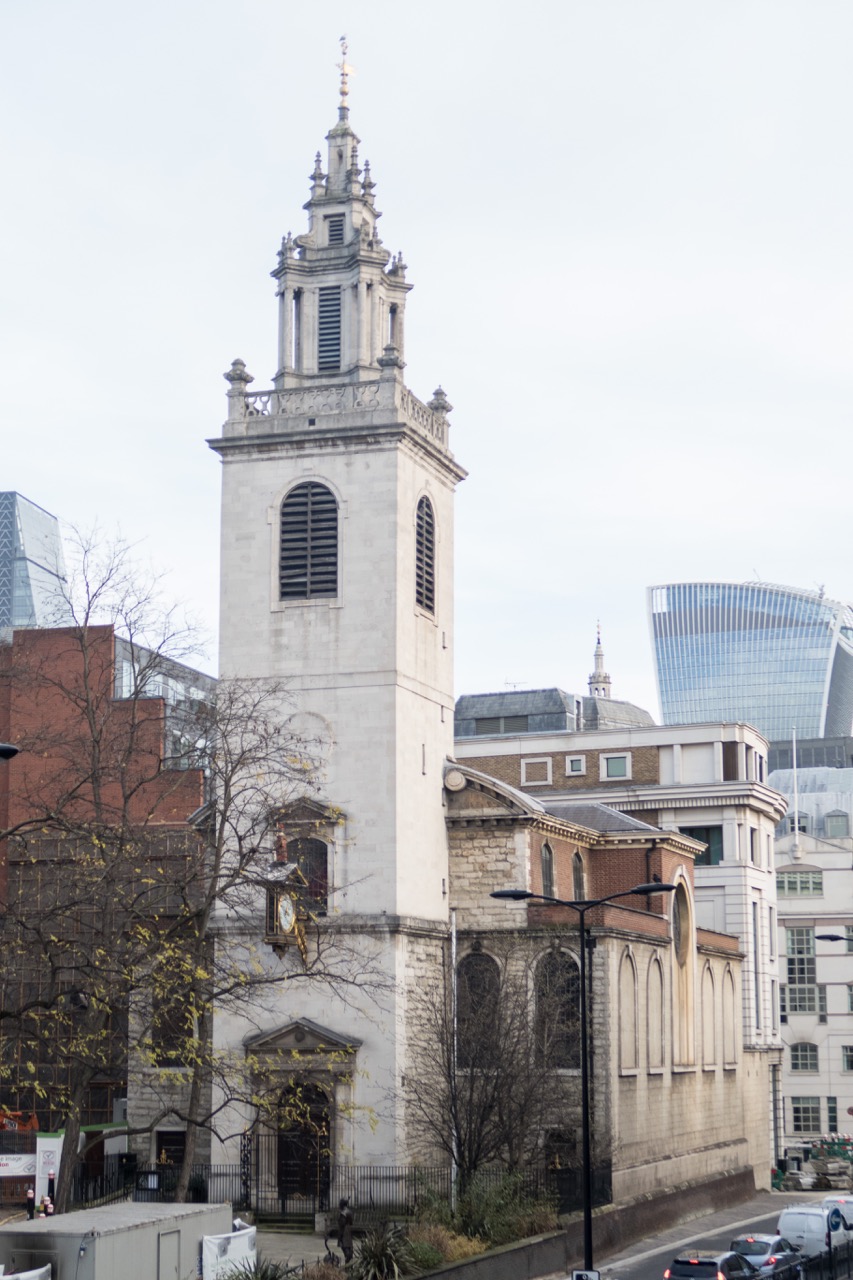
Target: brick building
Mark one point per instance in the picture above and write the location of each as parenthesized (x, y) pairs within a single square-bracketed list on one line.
[(95, 808)]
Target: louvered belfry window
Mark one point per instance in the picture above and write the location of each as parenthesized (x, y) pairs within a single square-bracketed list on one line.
[(329, 328), (308, 558), (336, 228), (425, 557)]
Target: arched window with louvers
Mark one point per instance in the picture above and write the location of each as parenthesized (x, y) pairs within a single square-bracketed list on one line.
[(425, 556), (308, 546)]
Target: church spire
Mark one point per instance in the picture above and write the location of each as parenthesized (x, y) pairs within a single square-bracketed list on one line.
[(599, 681), (342, 296)]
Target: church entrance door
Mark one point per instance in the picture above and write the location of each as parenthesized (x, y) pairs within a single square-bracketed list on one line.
[(303, 1150)]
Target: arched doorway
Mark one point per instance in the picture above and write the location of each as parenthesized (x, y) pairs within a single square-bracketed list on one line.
[(303, 1149)]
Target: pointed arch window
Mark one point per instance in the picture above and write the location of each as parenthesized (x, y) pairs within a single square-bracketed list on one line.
[(425, 556), (558, 1010), (308, 551)]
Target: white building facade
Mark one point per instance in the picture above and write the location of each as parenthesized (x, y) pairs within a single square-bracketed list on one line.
[(337, 580), (814, 866)]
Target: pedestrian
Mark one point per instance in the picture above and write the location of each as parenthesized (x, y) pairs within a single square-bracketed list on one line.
[(345, 1229), (31, 1204)]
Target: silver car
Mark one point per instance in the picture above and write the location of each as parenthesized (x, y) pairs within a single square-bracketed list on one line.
[(770, 1254)]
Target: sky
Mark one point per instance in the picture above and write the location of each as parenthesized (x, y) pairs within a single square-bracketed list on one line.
[(628, 226)]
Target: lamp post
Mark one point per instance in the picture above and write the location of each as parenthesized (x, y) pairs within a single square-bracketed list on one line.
[(581, 907)]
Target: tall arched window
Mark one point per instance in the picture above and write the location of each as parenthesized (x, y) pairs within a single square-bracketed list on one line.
[(709, 1018), (628, 1048), (577, 877), (655, 1015), (312, 858), (308, 550), (558, 1010), (547, 858), (425, 556), (477, 1010)]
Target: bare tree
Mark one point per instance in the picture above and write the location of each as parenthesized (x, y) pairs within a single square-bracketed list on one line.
[(146, 810), (486, 1086)]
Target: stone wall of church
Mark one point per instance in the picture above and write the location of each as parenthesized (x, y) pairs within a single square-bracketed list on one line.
[(681, 1103)]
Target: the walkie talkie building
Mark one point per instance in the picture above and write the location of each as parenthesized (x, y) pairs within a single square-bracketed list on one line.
[(770, 656)]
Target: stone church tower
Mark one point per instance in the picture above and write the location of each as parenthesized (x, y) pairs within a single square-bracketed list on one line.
[(337, 579)]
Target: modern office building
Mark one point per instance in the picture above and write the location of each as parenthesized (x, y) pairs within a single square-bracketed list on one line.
[(775, 657), (31, 565), (815, 895)]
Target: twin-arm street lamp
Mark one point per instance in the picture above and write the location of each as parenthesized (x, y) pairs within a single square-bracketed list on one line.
[(581, 907)]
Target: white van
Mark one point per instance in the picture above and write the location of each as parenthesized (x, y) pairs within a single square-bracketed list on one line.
[(844, 1203), (807, 1226)]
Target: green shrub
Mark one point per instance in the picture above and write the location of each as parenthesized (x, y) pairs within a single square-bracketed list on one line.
[(500, 1211), (425, 1257), (383, 1254), (432, 1208), (260, 1269), (452, 1246)]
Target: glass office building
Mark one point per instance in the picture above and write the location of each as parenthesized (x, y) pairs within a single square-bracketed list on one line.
[(766, 655), (32, 568)]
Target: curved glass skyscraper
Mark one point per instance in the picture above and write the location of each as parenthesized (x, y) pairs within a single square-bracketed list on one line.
[(771, 656)]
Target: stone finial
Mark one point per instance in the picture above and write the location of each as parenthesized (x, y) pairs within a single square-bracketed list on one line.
[(318, 177), (440, 403), (238, 375), (368, 185), (390, 361)]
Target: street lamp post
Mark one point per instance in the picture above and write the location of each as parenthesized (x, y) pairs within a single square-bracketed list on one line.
[(581, 907)]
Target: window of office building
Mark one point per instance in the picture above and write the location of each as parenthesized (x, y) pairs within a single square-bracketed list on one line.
[(713, 838), (799, 884), (805, 1115), (804, 1057)]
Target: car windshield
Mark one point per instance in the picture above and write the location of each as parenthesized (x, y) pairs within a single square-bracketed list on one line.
[(751, 1248)]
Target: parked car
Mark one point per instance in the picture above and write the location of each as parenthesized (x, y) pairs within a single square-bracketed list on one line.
[(701, 1264), (813, 1228), (771, 1254)]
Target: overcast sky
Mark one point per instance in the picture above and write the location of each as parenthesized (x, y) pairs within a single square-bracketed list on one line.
[(628, 224)]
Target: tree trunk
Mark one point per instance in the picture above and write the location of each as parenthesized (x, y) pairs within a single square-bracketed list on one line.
[(71, 1142), (194, 1111)]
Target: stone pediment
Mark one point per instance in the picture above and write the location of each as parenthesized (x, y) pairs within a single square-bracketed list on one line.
[(307, 813), (302, 1036), (471, 793)]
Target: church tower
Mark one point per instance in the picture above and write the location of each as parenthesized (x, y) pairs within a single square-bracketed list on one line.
[(337, 580)]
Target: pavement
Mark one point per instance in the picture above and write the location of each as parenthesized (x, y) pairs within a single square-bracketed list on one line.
[(292, 1247)]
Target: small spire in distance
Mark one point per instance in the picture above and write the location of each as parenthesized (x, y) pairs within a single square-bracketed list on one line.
[(599, 681)]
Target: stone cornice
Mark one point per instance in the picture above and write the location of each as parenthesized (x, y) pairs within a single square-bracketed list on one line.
[(685, 795)]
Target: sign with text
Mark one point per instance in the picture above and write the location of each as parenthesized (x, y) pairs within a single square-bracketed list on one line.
[(18, 1166)]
